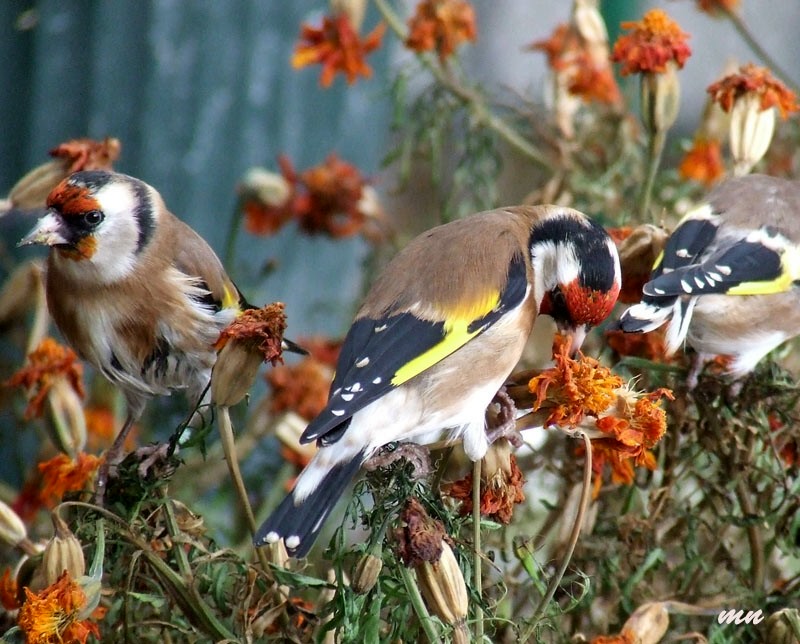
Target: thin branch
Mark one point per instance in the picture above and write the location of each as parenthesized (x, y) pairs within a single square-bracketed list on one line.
[(476, 538)]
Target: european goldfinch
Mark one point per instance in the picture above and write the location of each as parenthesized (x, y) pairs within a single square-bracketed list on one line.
[(135, 291), (727, 280), (436, 337)]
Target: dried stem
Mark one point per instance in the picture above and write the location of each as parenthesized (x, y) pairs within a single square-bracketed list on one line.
[(476, 538), (655, 147), (753, 536)]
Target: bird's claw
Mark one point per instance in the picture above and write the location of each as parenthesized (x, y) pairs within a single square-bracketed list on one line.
[(501, 419)]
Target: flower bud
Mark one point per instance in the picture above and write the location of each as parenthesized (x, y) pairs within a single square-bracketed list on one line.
[(366, 573), (264, 187), (67, 426), (31, 191), (62, 552), (234, 373), (647, 624), (782, 627), (444, 590), (751, 131), (12, 529), (660, 96)]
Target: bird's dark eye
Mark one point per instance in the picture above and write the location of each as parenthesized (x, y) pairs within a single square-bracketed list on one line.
[(93, 218)]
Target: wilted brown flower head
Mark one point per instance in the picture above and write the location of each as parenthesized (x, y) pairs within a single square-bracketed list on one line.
[(441, 25), (302, 388), (420, 538), (48, 362), (259, 330), (62, 474), (758, 81), (337, 47), (650, 44)]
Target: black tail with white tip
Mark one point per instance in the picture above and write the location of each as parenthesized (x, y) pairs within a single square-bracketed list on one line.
[(299, 524)]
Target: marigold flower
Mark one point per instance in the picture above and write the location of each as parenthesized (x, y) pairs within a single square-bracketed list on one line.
[(55, 615), (441, 25), (758, 81), (330, 203), (703, 161), (501, 485), (9, 593), (101, 429), (337, 47), (573, 388), (266, 198), (716, 7), (651, 345), (61, 474), (47, 363), (650, 44)]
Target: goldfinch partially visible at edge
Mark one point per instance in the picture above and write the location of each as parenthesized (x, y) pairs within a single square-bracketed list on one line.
[(436, 337), (727, 281), (135, 291)]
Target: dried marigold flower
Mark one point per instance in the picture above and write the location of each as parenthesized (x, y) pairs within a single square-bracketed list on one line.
[(441, 25), (501, 484), (337, 47), (751, 80), (78, 154), (9, 592), (266, 199), (703, 162), (651, 345), (47, 363), (56, 614), (651, 44), (255, 336), (573, 388), (421, 537), (302, 388), (61, 474)]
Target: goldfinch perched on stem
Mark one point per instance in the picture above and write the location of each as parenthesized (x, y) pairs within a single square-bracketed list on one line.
[(137, 293), (436, 337), (727, 281)]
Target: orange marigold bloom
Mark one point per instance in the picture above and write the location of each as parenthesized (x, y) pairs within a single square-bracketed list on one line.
[(573, 389), (331, 201), (751, 79), (61, 475), (259, 330), (53, 616), (302, 388), (266, 198), (651, 345), (651, 44), (337, 47), (441, 25), (715, 7), (9, 597), (703, 162), (500, 492), (50, 360)]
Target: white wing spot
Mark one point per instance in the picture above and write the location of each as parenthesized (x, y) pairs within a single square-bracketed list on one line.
[(699, 282), (683, 253), (362, 363), (725, 270), (355, 387), (271, 537), (714, 276), (659, 291), (667, 269), (710, 280), (380, 328), (337, 412), (687, 288), (347, 397), (292, 542), (377, 381)]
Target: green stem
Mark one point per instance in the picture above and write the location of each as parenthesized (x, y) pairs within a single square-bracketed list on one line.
[(229, 448), (655, 147), (476, 538), (418, 604), (572, 541), (473, 100), (758, 50), (234, 226)]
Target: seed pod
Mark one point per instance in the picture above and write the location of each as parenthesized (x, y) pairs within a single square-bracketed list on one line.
[(782, 627), (366, 573), (12, 529), (443, 587), (62, 552)]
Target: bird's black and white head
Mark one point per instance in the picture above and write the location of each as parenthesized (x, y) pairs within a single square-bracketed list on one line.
[(97, 223), (576, 272)]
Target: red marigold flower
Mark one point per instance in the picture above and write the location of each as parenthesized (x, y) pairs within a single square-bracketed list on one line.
[(703, 162), (331, 201), (54, 615), (302, 388), (9, 592), (61, 475), (49, 361), (337, 47), (753, 80), (260, 330), (441, 25), (266, 198), (651, 43), (714, 7)]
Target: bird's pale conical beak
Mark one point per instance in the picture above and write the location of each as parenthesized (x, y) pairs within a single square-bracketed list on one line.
[(46, 232), (576, 336)]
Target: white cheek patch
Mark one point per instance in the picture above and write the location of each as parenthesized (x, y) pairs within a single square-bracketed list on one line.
[(118, 234)]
